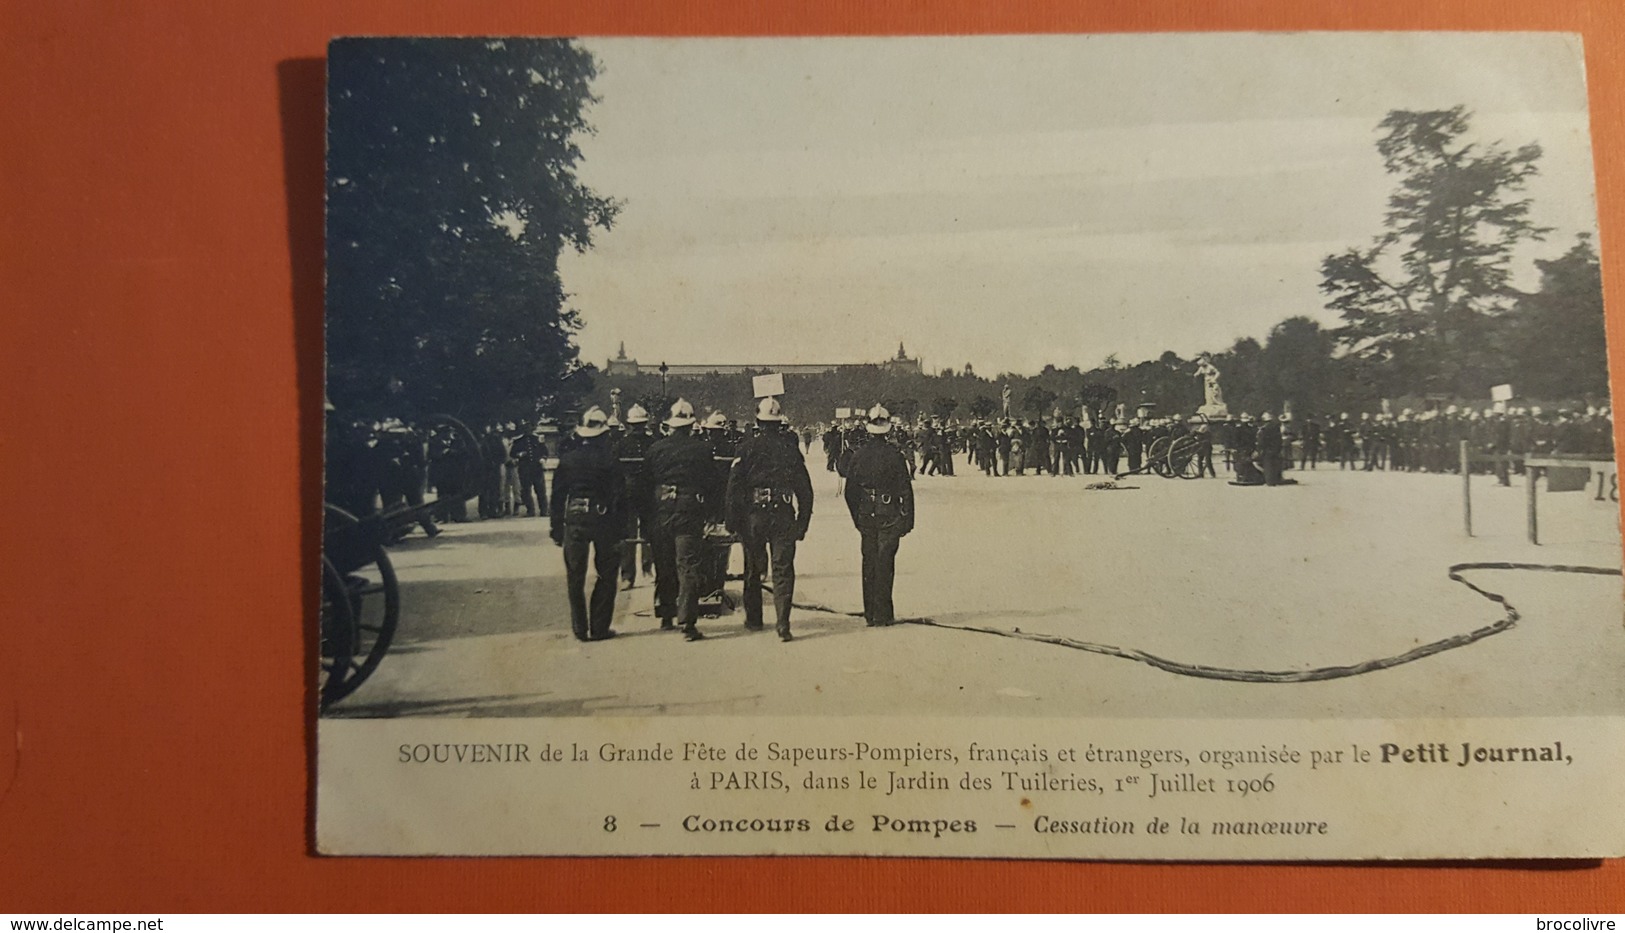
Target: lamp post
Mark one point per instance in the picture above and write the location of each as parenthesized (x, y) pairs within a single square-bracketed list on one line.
[(663, 368)]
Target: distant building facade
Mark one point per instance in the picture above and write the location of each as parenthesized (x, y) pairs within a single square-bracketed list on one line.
[(623, 365), (902, 363)]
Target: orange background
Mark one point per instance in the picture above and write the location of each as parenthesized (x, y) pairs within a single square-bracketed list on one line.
[(160, 410)]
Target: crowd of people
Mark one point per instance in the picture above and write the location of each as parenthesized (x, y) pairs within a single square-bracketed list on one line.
[(1063, 446), (670, 498), (1258, 449)]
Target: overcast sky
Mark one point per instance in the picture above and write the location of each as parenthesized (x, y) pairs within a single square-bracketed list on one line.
[(1016, 201)]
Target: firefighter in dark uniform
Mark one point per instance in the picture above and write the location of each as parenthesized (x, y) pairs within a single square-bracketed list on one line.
[(1269, 449), (1135, 442), (1116, 440), (1204, 446), (1094, 445), (633, 451), (1244, 447), (354, 467), (770, 501), (405, 469), (683, 477), (589, 513), (714, 565), (529, 452), (493, 453), (832, 445), (1348, 444), (880, 498), (1310, 455)]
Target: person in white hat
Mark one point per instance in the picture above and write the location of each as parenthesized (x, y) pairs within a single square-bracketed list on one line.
[(684, 481), (632, 449), (880, 498), (770, 499), (588, 517)]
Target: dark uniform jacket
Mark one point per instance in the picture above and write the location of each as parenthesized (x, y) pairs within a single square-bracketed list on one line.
[(1269, 440), (528, 450), (770, 475), (1245, 440), (633, 452), (589, 488), (879, 493), (683, 476)]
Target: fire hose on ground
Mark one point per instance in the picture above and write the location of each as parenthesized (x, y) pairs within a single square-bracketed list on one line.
[(1508, 621)]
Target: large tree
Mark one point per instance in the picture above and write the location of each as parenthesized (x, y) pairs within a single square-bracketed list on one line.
[(451, 194), (1419, 302), (1299, 365), (1555, 337)]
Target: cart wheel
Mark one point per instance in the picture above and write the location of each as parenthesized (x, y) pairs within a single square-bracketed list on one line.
[(339, 633), (1182, 458), (373, 599), (1156, 456)]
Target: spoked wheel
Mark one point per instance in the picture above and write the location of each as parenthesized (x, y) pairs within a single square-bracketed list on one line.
[(339, 633), (361, 604), (1157, 457), (1182, 459)]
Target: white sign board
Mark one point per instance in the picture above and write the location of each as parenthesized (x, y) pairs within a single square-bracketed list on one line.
[(843, 412), (1501, 393), (767, 385)]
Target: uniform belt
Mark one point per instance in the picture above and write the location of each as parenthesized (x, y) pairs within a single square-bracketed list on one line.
[(584, 508), (767, 497), (667, 492)]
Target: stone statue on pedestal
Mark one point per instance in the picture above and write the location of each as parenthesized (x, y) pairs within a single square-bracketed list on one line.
[(1213, 404)]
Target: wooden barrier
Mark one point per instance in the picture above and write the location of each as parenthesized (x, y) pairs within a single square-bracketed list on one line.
[(1602, 470)]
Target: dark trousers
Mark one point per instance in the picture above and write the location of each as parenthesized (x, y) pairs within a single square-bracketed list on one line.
[(641, 524), (879, 572), (677, 573), (491, 490), (605, 544), (769, 539), (447, 476), (1311, 455), (1270, 462), (533, 488)]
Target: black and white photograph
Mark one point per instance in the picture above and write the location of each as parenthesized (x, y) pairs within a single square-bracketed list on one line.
[(1081, 380)]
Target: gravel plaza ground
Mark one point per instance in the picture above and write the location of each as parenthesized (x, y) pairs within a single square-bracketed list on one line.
[(1342, 568)]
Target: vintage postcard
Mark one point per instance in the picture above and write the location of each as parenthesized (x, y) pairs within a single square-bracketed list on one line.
[(1113, 447)]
